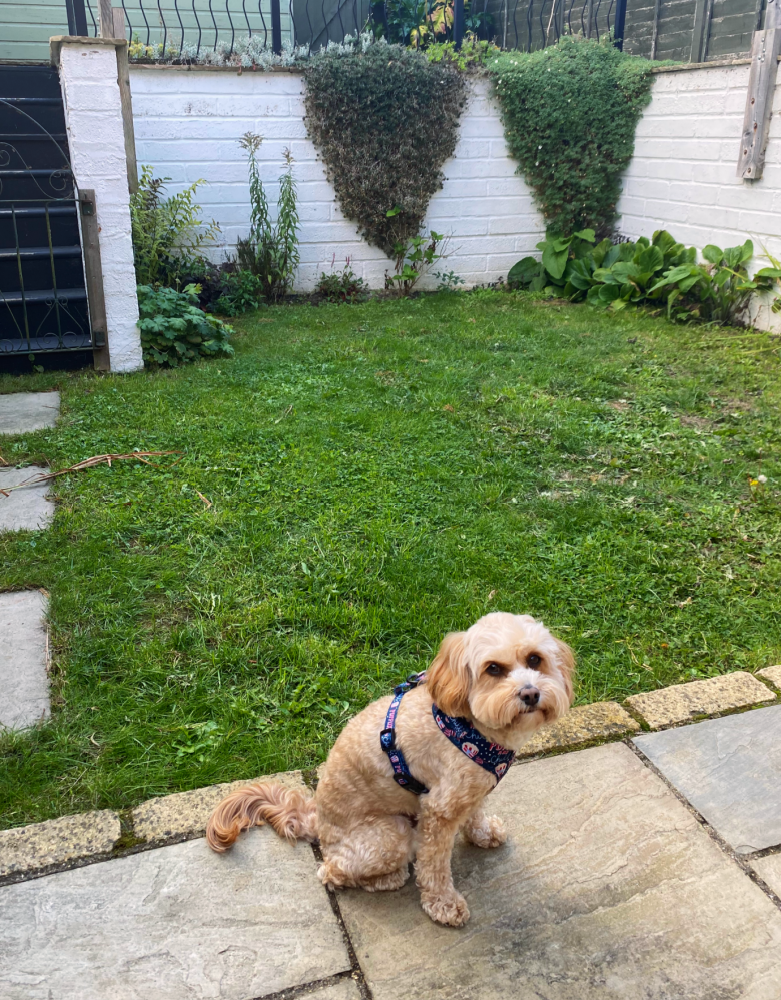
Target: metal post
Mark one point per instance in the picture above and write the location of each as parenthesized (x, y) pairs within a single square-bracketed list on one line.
[(77, 18), (458, 22), (590, 16), (276, 28), (560, 5), (379, 17), (618, 32)]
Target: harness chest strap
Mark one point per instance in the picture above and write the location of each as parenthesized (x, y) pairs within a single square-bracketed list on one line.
[(490, 756)]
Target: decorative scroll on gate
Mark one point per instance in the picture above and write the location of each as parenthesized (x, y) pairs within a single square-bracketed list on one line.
[(43, 297)]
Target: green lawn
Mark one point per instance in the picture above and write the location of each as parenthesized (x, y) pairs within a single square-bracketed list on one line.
[(379, 474)]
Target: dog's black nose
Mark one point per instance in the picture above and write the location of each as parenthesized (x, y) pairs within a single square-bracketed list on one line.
[(530, 696)]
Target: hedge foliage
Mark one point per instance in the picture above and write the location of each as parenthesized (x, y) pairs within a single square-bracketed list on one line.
[(384, 119), (570, 113)]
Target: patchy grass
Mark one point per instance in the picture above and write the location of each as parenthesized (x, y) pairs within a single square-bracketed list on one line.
[(379, 474)]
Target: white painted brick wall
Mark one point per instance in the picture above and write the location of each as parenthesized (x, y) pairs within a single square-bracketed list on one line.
[(93, 116), (187, 125), (683, 174)]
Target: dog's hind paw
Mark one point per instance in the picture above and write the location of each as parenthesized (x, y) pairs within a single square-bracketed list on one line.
[(386, 883), (450, 909), (486, 831)]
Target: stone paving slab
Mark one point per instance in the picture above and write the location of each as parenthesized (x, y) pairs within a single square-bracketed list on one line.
[(57, 841), (769, 870), (602, 720), (683, 702), (27, 509), (185, 814), (175, 923), (608, 889), (24, 682), (730, 771), (345, 989), (772, 674), (21, 412)]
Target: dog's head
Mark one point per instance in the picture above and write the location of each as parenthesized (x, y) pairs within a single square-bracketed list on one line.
[(507, 672)]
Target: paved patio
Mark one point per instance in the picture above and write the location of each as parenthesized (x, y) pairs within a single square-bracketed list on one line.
[(610, 886)]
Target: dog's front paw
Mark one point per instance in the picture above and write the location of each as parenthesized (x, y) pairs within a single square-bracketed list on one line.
[(488, 831), (449, 909)]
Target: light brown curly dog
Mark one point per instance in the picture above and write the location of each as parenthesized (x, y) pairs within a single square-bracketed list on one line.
[(508, 676)]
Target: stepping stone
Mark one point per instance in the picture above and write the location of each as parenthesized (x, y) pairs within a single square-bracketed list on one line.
[(27, 509), (175, 923), (730, 771), (683, 702), (607, 889), (21, 412), (24, 682)]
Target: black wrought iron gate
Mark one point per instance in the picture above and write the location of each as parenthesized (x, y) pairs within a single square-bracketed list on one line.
[(43, 298)]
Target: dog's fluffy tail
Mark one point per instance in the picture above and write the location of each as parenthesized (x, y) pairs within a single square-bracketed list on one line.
[(291, 813)]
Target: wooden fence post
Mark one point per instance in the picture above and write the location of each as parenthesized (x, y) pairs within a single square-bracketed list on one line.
[(123, 78), (765, 49), (93, 272)]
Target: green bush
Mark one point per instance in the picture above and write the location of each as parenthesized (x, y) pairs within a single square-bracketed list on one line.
[(384, 119), (241, 291), (271, 250), (570, 113), (174, 330), (341, 286), (168, 235), (658, 271)]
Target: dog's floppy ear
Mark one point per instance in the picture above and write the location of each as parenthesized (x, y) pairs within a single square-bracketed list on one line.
[(447, 679), (567, 666)]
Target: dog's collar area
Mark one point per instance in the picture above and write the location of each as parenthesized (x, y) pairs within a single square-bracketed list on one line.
[(401, 772), (474, 745)]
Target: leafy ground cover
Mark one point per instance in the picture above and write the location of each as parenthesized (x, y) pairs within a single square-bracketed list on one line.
[(357, 481)]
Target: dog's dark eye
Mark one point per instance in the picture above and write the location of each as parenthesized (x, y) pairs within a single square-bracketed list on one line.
[(494, 670), (532, 660)]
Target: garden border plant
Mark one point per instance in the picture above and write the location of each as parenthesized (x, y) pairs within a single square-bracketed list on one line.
[(369, 112), (570, 113)]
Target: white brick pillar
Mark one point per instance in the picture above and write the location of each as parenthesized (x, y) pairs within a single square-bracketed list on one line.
[(93, 116)]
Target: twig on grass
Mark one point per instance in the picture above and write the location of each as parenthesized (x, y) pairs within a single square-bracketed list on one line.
[(88, 463)]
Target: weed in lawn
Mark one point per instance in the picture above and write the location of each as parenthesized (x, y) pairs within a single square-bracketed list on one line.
[(378, 476)]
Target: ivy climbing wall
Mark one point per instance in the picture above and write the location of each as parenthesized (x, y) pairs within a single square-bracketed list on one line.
[(187, 126)]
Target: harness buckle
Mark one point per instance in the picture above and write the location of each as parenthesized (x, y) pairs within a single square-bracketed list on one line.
[(388, 739)]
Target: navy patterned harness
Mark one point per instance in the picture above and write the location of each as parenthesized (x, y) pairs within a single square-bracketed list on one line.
[(490, 756)]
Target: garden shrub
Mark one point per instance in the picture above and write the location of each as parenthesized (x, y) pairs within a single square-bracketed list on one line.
[(270, 252), (658, 271), (174, 330), (384, 119), (341, 286), (168, 235), (570, 113)]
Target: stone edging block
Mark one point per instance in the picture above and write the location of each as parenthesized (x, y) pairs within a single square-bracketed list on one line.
[(581, 725), (183, 815), (772, 674), (683, 702), (57, 841)]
